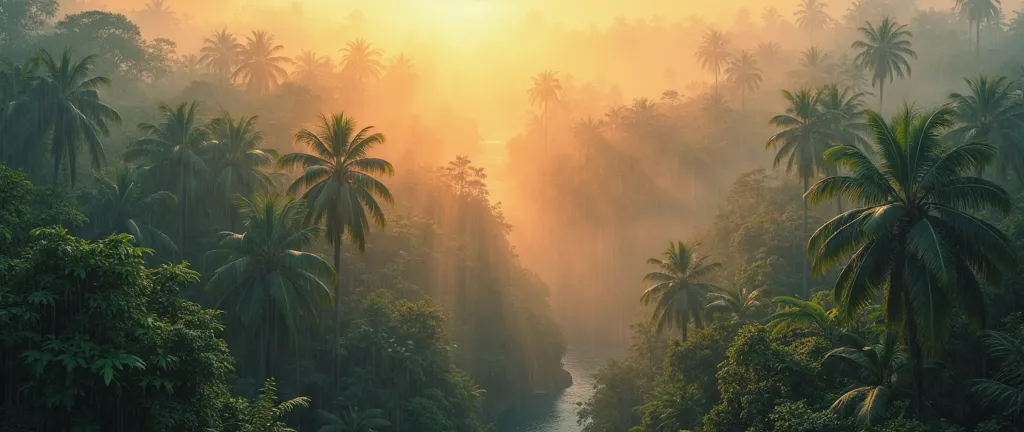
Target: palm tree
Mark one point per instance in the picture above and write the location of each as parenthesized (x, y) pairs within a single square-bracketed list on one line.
[(844, 112), (238, 163), (811, 16), (311, 68), (353, 420), (713, 53), (739, 304), (801, 143), (221, 53), (879, 369), (338, 178), (816, 68), (884, 51), (769, 53), (70, 110), (546, 89), (17, 146), (170, 152), (914, 236), (264, 414), (361, 61), (796, 314), (267, 277), (1006, 389), (260, 63), (979, 12), (992, 112), (744, 72), (121, 205), (679, 287)]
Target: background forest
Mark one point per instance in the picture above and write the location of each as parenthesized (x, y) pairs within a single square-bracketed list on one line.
[(204, 213)]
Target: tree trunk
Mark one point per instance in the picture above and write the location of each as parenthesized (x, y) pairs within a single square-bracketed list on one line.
[(337, 310), (881, 97), (977, 39), (916, 357), (183, 209), (807, 289), (545, 126), (684, 329), (743, 98)]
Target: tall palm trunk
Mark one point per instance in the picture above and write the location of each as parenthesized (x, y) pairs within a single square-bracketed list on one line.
[(910, 328), (337, 309), (545, 126), (183, 208), (803, 267), (881, 96), (684, 328), (743, 98), (977, 39)]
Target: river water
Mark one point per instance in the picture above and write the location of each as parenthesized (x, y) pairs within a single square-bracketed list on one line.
[(557, 412)]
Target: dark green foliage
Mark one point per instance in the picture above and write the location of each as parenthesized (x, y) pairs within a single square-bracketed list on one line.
[(93, 340), (756, 375), (798, 417), (26, 207)]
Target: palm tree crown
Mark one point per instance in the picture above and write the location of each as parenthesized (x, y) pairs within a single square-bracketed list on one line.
[(811, 16), (260, 63), (884, 51), (879, 369), (679, 287), (121, 205), (738, 304), (992, 112), (69, 108), (713, 53), (311, 68), (744, 72), (914, 235), (816, 68), (361, 61), (239, 165), (220, 53)]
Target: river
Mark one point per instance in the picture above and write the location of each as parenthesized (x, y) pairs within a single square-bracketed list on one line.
[(557, 412)]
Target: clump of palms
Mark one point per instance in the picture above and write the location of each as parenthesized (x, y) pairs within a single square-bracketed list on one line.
[(353, 420), (913, 236), (713, 53), (738, 304), (879, 370), (267, 278), (884, 51), (745, 74), (679, 287)]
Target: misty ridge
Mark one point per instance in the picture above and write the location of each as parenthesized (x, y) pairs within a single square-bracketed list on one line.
[(411, 215)]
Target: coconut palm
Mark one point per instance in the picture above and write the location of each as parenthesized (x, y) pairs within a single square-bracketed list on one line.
[(816, 68), (769, 53), (713, 53), (991, 111), (843, 112), (170, 152), (311, 68), (546, 88), (914, 235), (238, 163), (353, 420), (401, 76), (979, 12), (221, 53), (744, 73), (801, 143), (811, 16), (259, 65), (18, 140), (119, 204), (267, 278), (679, 287), (361, 61), (739, 304), (884, 51), (68, 106), (879, 369), (338, 181), (1005, 390)]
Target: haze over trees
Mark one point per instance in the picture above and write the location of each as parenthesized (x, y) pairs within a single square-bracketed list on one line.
[(408, 217)]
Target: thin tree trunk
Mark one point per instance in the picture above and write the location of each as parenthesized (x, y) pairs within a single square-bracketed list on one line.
[(183, 209), (916, 357), (337, 308), (881, 97), (743, 98), (807, 289), (684, 329), (545, 126), (977, 39)]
